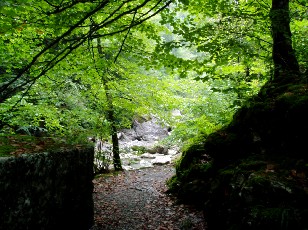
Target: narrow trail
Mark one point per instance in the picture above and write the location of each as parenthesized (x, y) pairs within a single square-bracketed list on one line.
[(134, 200)]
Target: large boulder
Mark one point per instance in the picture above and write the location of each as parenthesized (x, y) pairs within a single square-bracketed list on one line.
[(252, 173), (144, 130)]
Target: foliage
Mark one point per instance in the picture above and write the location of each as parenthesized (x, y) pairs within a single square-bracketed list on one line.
[(102, 161), (215, 45), (49, 38), (299, 25), (54, 81)]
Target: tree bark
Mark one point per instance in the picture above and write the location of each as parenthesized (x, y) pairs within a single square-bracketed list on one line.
[(286, 66)]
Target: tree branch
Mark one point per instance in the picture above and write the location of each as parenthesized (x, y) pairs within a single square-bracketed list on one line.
[(123, 42)]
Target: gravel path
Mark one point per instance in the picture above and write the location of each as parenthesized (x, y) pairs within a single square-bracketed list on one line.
[(134, 200)]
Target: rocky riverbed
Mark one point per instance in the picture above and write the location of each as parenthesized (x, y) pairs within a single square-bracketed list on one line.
[(140, 146)]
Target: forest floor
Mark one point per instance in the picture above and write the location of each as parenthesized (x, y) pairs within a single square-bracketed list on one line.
[(137, 199)]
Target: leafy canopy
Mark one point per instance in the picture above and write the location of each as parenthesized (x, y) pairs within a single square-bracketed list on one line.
[(51, 73)]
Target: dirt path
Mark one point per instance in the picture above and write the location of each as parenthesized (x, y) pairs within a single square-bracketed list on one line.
[(136, 200)]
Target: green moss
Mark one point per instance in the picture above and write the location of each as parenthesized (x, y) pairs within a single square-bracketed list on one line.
[(173, 184), (191, 153), (24, 144), (259, 180), (252, 164), (276, 217), (195, 143), (3, 154), (6, 147), (5, 150), (203, 168), (139, 149), (291, 99), (260, 212), (227, 172)]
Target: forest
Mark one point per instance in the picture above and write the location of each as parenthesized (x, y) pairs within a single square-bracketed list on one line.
[(235, 70)]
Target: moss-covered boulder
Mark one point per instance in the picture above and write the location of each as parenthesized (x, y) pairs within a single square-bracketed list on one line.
[(252, 173), (257, 194)]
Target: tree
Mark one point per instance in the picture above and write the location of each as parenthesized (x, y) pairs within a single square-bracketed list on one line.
[(52, 45), (286, 66), (110, 110)]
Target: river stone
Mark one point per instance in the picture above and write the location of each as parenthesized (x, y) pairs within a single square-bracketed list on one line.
[(127, 167), (148, 155), (161, 160), (145, 164), (172, 152)]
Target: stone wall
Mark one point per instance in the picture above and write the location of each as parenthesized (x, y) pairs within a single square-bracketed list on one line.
[(47, 191)]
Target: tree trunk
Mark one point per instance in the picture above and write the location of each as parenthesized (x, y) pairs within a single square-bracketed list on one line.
[(286, 67), (111, 118)]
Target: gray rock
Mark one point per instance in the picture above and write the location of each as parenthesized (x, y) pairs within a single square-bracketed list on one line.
[(148, 130), (161, 160), (145, 164), (148, 156), (172, 152)]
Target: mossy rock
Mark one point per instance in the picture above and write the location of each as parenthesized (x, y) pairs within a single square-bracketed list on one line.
[(237, 190), (261, 217), (173, 184), (192, 153), (157, 149), (15, 145), (252, 164), (139, 149), (259, 165), (191, 185)]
